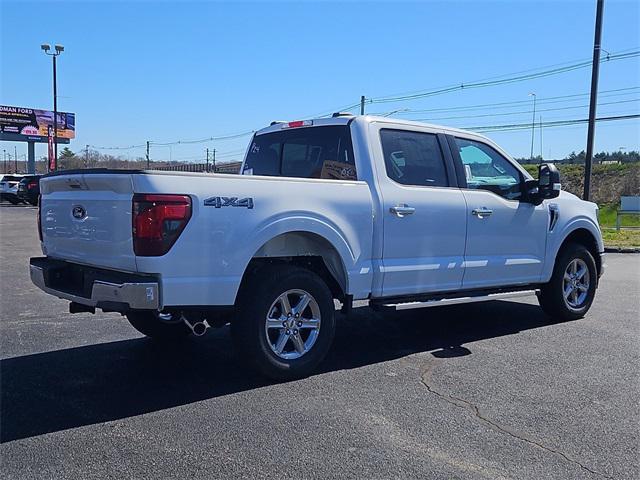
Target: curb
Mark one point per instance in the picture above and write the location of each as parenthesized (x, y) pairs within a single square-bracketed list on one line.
[(622, 249)]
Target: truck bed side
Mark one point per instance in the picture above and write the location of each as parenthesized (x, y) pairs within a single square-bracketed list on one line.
[(206, 264)]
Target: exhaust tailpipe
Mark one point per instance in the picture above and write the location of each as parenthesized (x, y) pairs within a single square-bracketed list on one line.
[(197, 328)]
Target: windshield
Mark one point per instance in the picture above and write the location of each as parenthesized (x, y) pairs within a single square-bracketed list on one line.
[(314, 152)]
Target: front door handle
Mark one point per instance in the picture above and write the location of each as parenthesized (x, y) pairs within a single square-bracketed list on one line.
[(402, 210), (481, 212)]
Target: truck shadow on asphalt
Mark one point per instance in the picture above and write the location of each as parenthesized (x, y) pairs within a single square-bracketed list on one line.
[(58, 390)]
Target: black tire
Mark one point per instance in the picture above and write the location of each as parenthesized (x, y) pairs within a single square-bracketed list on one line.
[(151, 325), (552, 298), (256, 301), (13, 201)]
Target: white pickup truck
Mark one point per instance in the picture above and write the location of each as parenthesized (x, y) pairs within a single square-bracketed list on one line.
[(402, 214)]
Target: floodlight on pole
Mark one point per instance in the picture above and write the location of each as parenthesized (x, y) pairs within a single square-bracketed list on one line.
[(58, 50)]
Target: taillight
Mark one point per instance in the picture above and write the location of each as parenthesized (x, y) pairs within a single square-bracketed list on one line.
[(158, 221), (40, 217), (32, 184)]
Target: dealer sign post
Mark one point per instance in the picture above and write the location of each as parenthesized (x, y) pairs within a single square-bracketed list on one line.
[(52, 157)]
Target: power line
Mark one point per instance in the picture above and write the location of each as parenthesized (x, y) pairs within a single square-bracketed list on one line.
[(543, 67), (558, 123), (503, 81), (514, 103), (179, 142), (118, 148), (523, 111), (203, 140), (326, 113), (499, 80), (490, 81)]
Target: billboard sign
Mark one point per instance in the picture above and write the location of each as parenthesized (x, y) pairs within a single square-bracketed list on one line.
[(31, 125)]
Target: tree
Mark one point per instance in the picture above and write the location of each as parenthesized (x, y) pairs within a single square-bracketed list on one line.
[(68, 160), (66, 153)]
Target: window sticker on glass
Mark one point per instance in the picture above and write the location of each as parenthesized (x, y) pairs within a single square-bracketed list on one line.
[(338, 170)]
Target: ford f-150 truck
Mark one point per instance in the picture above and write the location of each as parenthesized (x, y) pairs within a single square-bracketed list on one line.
[(399, 213)]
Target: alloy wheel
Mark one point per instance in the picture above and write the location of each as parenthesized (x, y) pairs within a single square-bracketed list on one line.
[(575, 283), (292, 324)]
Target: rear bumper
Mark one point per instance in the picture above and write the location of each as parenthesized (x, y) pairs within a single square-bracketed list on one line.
[(95, 287)]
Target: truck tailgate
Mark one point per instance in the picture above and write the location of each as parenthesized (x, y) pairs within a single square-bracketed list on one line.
[(86, 218)]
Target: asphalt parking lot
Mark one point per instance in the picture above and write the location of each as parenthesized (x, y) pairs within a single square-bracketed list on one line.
[(492, 390)]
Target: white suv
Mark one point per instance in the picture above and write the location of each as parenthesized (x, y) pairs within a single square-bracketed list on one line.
[(9, 188)]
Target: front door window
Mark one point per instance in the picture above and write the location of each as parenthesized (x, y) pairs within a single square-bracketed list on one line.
[(486, 169)]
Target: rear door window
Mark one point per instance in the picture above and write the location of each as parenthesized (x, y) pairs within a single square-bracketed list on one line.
[(313, 152), (413, 158)]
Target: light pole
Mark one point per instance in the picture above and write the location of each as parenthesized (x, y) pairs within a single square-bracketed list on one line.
[(541, 150), (533, 123), (54, 55)]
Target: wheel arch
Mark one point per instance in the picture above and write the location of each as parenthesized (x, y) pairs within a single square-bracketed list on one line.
[(585, 237), (307, 250)]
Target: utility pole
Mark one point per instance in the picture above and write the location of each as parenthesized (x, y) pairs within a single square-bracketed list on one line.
[(214, 160), (595, 69), (207, 170), (362, 99), (533, 123), (86, 156), (15, 156), (148, 155), (4, 158)]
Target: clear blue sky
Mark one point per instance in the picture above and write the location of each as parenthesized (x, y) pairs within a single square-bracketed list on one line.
[(165, 71)]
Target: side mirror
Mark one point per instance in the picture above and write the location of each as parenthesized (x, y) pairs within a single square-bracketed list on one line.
[(548, 181)]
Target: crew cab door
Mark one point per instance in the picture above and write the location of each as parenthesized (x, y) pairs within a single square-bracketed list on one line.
[(506, 237), (423, 211)]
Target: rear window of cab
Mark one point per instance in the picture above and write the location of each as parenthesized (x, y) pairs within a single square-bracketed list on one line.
[(312, 152)]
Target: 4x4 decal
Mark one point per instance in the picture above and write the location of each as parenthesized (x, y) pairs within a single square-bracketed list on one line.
[(220, 202)]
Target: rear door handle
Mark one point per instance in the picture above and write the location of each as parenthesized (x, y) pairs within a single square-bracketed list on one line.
[(402, 210), (481, 212)]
